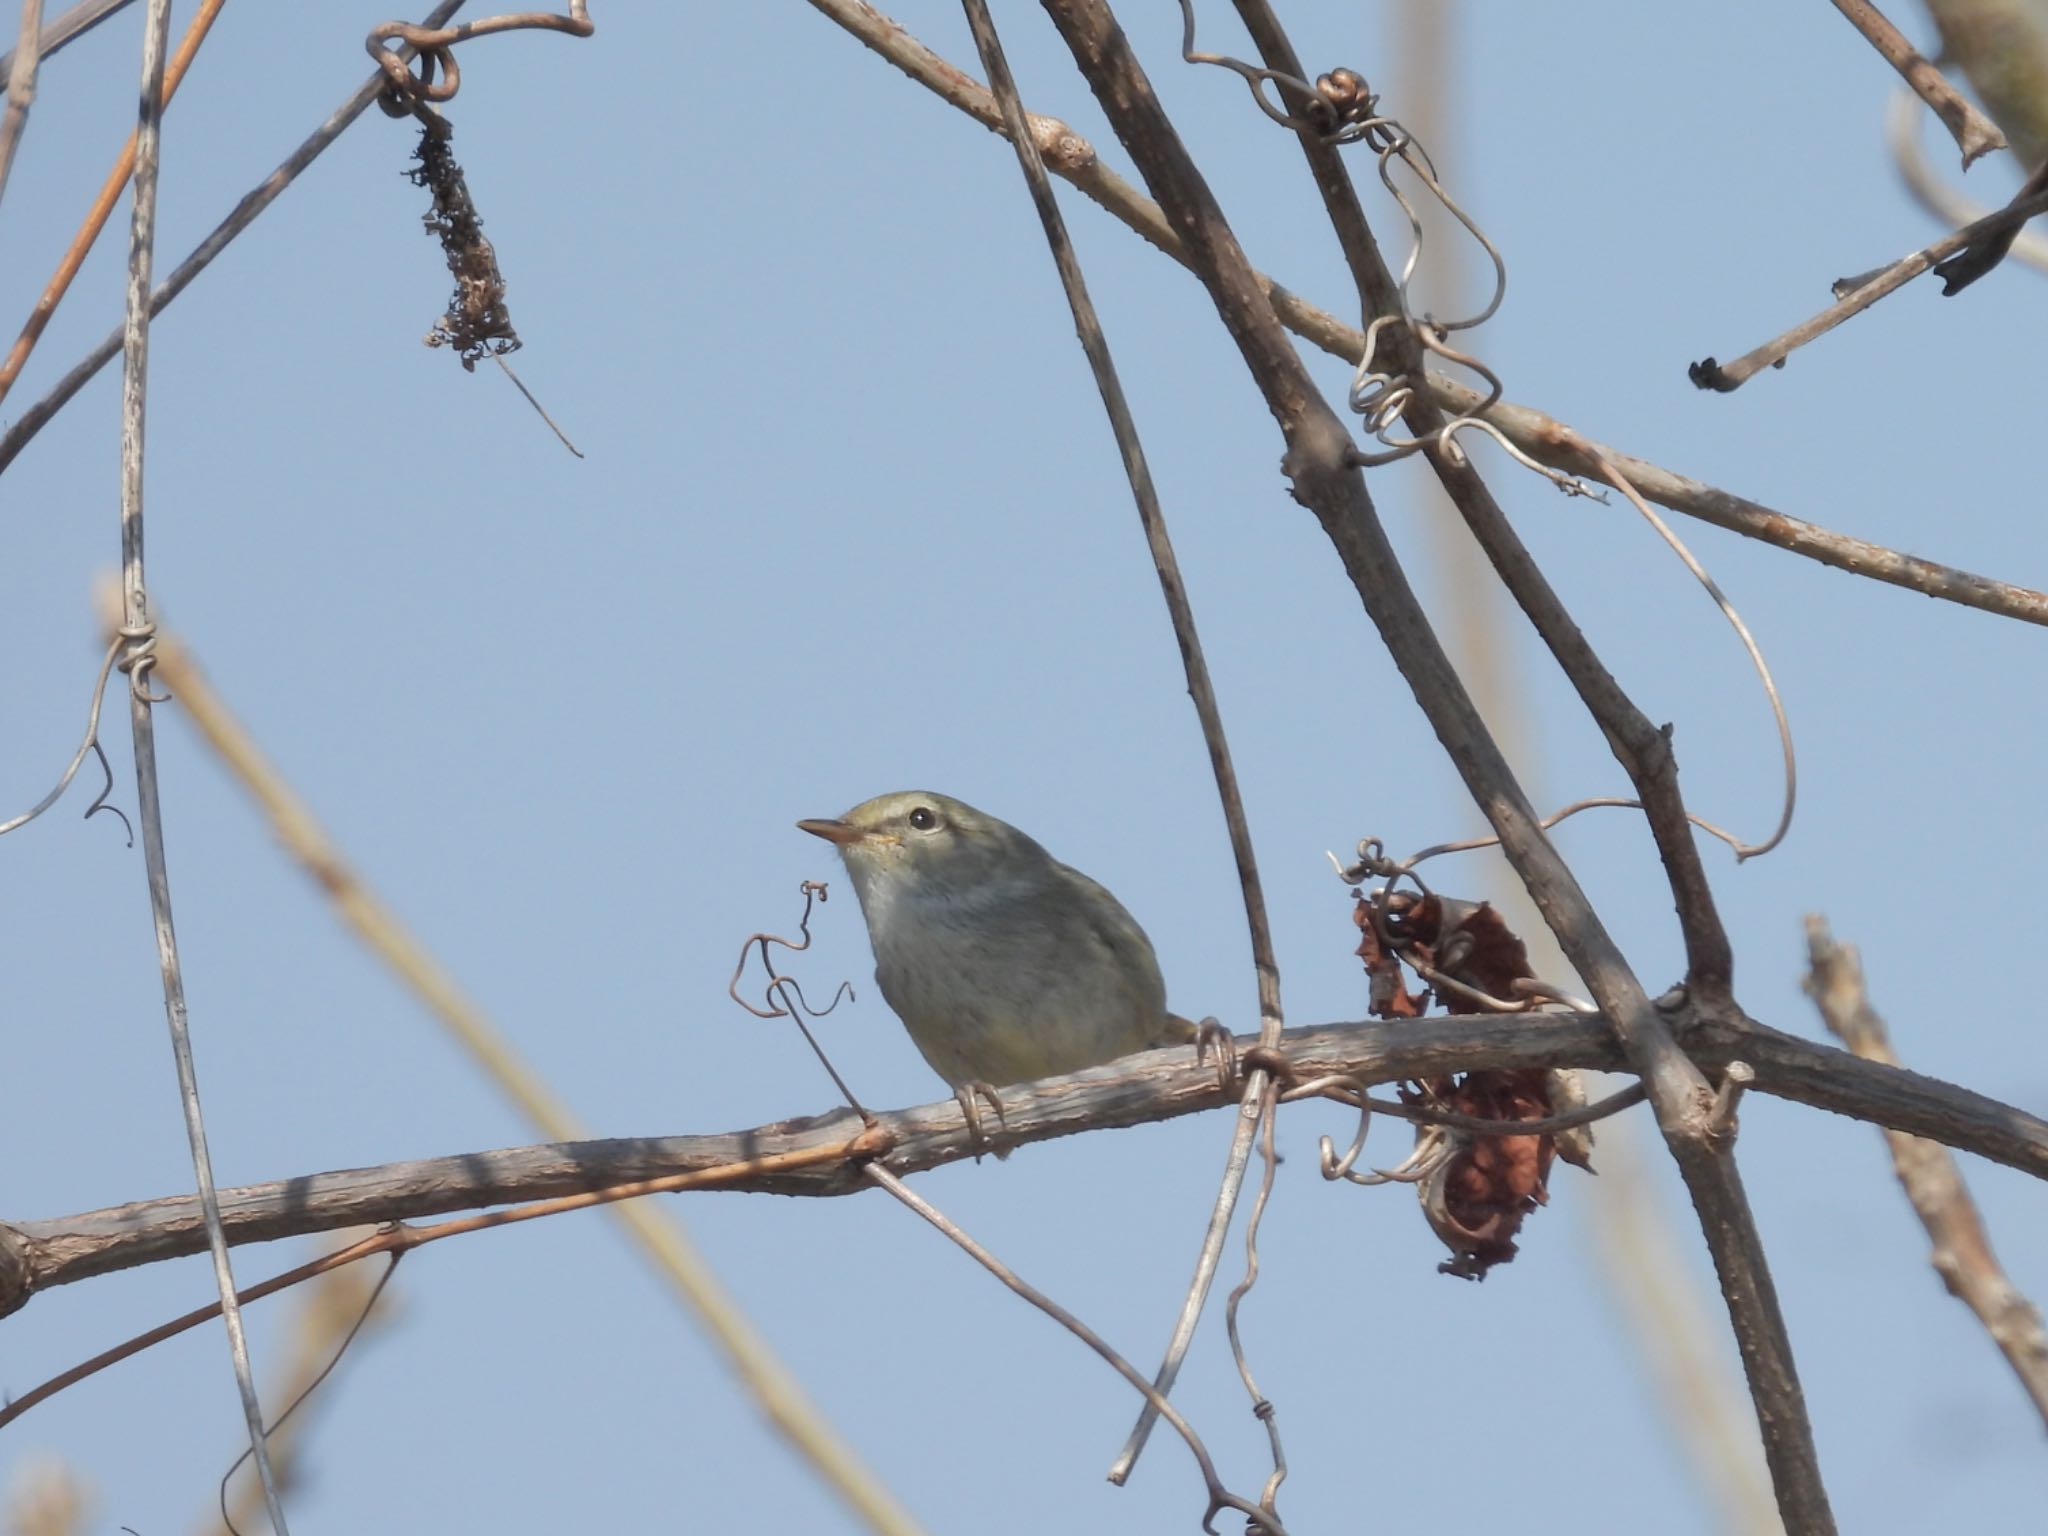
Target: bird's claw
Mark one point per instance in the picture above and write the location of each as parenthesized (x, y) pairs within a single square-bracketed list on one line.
[(966, 1094), (1210, 1035)]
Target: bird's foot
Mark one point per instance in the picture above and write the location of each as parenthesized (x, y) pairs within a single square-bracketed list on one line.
[(966, 1094), (1210, 1036)]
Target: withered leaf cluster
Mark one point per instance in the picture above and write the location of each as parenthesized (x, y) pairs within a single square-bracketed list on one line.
[(477, 323), (1477, 1199)]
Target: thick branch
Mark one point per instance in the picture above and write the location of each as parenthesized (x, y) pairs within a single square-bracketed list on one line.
[(1159, 1085), (1642, 750), (1704, 1152)]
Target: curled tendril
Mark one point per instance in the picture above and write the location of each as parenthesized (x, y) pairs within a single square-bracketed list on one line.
[(784, 996), (1340, 109), (91, 743)]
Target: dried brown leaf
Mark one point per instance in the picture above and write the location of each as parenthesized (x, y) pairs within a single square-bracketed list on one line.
[(1389, 997)]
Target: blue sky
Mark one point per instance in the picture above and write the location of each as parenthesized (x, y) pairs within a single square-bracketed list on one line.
[(851, 521)]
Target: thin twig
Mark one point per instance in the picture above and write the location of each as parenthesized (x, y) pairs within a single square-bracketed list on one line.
[(102, 207), (1263, 1408), (70, 26), (330, 1318), (1070, 156), (1220, 1498), (1934, 1184), (136, 659), (244, 213), (661, 1237), (1200, 689), (539, 409), (90, 741), (1985, 234), (21, 85), (1975, 134), (1614, 477)]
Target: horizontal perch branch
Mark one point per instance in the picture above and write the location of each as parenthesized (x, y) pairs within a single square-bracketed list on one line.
[(781, 1159)]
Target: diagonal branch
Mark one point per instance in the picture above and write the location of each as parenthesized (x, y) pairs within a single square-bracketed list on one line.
[(1961, 257), (1962, 1252), (1975, 134), (1642, 750)]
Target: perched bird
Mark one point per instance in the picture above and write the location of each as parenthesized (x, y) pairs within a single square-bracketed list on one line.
[(1003, 963)]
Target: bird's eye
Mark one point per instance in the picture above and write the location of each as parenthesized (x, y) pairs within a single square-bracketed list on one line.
[(922, 818)]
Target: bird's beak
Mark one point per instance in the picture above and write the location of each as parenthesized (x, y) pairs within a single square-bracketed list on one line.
[(840, 832)]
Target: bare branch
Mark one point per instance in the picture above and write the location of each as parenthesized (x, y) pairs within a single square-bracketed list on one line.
[(1962, 1251), (398, 1238), (1553, 443), (1961, 258), (1975, 134), (1071, 157), (2001, 48), (815, 1156)]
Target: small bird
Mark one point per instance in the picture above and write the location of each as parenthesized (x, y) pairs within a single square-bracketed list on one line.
[(1003, 963)]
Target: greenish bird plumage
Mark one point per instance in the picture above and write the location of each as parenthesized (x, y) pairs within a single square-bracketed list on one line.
[(1003, 963)]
